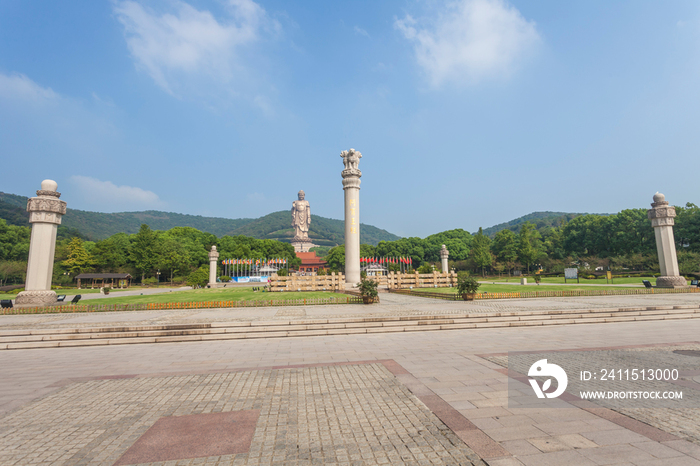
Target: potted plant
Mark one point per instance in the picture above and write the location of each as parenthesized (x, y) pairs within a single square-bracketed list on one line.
[(368, 290), (467, 286)]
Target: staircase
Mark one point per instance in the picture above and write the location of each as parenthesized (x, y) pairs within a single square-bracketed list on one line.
[(100, 336)]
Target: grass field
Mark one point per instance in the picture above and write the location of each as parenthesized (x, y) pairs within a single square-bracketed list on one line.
[(560, 280), (505, 288), (217, 294)]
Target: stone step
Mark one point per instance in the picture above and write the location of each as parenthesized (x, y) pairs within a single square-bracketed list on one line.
[(246, 327), (337, 331), (245, 330)]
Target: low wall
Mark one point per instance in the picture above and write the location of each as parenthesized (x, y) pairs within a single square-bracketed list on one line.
[(332, 282), (397, 281)]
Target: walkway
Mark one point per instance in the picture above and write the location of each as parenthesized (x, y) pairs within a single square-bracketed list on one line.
[(411, 398)]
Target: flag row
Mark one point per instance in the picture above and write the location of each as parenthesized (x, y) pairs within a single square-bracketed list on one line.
[(386, 260), (254, 262)]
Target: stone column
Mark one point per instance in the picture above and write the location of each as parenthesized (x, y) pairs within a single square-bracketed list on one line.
[(661, 216), (444, 254), (351, 184), (213, 259), (45, 212)]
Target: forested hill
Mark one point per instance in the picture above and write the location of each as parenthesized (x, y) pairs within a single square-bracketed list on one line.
[(323, 231), (539, 219), (277, 225)]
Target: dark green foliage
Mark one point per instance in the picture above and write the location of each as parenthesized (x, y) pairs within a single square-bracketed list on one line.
[(538, 219), (199, 277), (425, 268), (481, 251), (14, 242)]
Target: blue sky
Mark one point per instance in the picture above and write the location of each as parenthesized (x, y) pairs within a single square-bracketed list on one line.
[(468, 113)]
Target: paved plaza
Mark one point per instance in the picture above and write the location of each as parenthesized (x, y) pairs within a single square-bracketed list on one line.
[(435, 397)]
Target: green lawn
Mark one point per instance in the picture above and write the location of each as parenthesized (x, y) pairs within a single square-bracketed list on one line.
[(216, 294), (504, 288), (598, 281)]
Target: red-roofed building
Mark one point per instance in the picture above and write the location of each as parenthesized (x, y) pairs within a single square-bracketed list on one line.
[(310, 262)]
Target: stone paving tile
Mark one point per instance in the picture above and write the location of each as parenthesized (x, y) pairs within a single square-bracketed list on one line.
[(557, 458), (612, 454), (613, 437), (431, 357), (329, 415)]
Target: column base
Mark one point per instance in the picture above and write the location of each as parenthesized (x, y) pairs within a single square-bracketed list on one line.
[(671, 282), (37, 298)]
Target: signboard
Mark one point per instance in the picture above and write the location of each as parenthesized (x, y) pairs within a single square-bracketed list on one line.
[(571, 274), (608, 275)]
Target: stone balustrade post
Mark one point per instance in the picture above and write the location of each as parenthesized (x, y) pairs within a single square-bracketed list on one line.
[(661, 216), (444, 254), (213, 259), (45, 213)]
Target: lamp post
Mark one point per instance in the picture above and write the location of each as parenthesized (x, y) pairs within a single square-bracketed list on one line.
[(158, 276)]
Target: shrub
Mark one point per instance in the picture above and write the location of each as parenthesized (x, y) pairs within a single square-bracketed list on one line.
[(363, 274), (368, 288), (198, 277), (225, 278), (425, 268), (150, 281), (467, 284), (282, 273)]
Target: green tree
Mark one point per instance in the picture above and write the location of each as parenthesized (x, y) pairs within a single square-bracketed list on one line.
[(144, 250), (199, 277), (112, 254), (481, 251), (505, 247), (336, 259), (79, 260), (528, 250), (14, 242)]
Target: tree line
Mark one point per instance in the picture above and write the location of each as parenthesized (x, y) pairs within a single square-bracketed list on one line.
[(622, 241), (174, 253)]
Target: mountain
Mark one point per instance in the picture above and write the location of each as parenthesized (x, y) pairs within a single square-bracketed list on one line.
[(539, 219), (322, 231), (277, 225)]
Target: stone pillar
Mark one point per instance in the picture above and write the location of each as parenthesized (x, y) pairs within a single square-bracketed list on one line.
[(351, 184), (213, 259), (661, 216), (45, 212), (444, 254)]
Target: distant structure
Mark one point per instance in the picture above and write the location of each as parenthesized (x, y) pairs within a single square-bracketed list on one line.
[(444, 254), (45, 212), (301, 220), (661, 215), (213, 260), (351, 185)]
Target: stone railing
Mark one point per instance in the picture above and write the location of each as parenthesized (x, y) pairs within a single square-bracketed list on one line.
[(397, 281), (332, 282)]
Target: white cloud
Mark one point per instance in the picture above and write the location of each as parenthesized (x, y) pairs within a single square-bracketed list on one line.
[(188, 41), (20, 87), (470, 40), (360, 31), (108, 195)]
